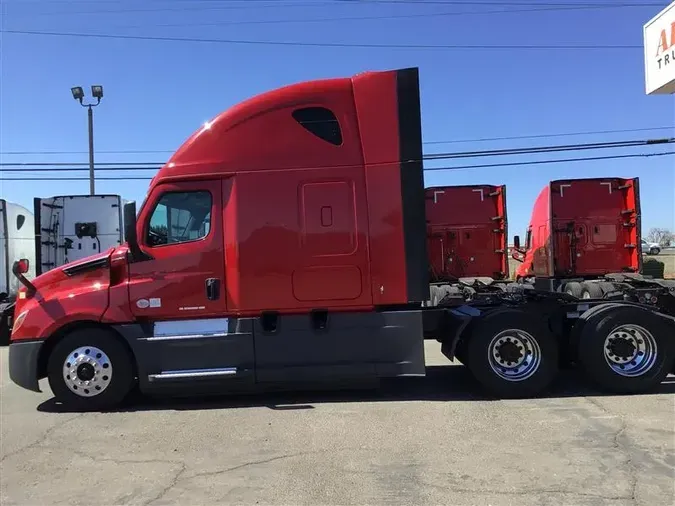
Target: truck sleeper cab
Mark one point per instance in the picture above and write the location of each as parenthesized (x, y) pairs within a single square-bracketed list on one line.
[(467, 236), (283, 243), (584, 239)]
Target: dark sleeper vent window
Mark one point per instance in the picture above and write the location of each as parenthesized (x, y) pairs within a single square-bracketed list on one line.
[(321, 122)]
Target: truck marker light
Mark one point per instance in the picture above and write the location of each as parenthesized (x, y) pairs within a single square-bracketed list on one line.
[(22, 295)]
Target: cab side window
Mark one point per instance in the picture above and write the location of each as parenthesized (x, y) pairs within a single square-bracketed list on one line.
[(321, 122), (180, 217), (528, 238)]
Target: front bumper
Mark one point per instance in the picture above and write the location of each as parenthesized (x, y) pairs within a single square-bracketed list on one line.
[(23, 364)]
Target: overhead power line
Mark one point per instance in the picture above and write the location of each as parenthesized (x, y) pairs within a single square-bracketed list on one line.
[(543, 136), (559, 160), (547, 149), (248, 5), (454, 141), (258, 4), (505, 2), (510, 47), (365, 18), (458, 167), (69, 166)]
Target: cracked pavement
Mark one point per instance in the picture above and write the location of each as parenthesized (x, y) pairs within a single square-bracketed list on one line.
[(417, 441)]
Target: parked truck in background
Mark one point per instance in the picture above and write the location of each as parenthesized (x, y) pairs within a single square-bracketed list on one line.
[(467, 240), (17, 240), (285, 243), (584, 239), (60, 230)]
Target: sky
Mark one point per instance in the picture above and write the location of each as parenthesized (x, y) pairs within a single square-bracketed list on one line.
[(157, 92)]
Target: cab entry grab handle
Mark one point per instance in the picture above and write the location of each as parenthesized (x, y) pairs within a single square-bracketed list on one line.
[(212, 288)]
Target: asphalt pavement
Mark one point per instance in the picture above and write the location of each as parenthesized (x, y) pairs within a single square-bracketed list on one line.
[(432, 440)]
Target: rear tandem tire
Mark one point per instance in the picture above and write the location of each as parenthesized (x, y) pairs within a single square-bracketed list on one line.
[(591, 290), (574, 289), (512, 354), (626, 350), (90, 369)]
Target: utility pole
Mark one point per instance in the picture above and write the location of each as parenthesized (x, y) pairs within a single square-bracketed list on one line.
[(97, 93)]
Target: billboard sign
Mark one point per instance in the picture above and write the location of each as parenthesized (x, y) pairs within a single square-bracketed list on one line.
[(659, 47)]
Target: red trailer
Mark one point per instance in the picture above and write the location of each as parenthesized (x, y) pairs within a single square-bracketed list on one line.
[(584, 239), (284, 243)]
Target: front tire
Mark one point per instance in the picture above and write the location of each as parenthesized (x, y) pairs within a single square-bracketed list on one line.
[(626, 350), (654, 251), (90, 369), (512, 354)]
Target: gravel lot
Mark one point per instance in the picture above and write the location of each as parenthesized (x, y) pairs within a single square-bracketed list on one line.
[(418, 441)]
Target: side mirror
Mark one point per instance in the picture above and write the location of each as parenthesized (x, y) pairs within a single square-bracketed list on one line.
[(516, 242), (517, 256), (19, 268), (130, 233)]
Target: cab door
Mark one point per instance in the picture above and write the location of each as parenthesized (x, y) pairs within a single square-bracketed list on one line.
[(180, 229)]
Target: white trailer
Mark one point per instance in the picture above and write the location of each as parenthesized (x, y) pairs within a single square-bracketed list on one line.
[(72, 227), (60, 230)]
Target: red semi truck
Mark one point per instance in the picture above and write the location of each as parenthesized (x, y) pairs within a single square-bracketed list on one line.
[(467, 240), (284, 243), (584, 239)]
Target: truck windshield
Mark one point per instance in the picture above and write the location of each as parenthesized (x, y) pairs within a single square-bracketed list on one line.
[(180, 217)]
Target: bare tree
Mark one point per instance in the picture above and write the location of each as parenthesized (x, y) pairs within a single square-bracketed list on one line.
[(662, 236)]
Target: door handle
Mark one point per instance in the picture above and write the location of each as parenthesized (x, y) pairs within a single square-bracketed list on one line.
[(212, 288)]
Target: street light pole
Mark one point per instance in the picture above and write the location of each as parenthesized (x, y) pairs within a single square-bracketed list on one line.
[(97, 93), (90, 114)]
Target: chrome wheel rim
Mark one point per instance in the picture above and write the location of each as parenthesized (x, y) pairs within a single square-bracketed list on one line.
[(514, 355), (630, 350), (87, 371)]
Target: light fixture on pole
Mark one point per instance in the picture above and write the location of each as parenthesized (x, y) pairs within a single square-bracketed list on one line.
[(97, 93)]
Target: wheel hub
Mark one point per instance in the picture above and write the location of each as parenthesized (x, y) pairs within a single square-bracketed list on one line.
[(514, 355), (509, 352), (630, 350), (87, 371), (622, 348)]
